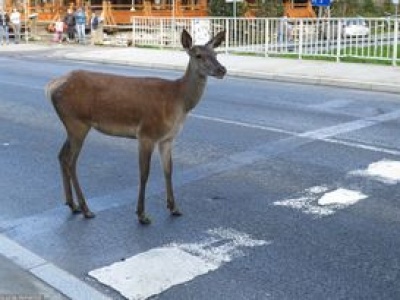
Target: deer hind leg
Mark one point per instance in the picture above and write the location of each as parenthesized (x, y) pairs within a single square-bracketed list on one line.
[(64, 159), (165, 149), (69, 154), (146, 148)]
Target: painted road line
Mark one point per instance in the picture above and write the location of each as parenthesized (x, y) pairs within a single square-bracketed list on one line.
[(60, 280), (331, 131), (386, 171), (320, 201), (243, 124), (225, 164), (362, 146), (153, 272), (21, 228), (324, 134)]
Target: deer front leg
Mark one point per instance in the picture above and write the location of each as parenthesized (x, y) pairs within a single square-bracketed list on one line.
[(76, 146), (165, 148), (146, 148)]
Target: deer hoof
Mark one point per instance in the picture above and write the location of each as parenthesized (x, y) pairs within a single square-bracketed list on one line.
[(144, 220), (89, 215), (176, 212), (74, 209)]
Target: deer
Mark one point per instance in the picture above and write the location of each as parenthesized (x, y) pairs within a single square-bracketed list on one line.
[(149, 109)]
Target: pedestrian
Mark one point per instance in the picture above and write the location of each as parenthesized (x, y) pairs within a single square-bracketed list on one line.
[(4, 23), (285, 30), (96, 29), (69, 20), (58, 31), (15, 19), (80, 19)]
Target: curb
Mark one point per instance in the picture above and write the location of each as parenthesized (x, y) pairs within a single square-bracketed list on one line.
[(289, 78), (58, 279)]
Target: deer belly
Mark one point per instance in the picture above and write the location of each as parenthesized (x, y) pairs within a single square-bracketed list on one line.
[(117, 130)]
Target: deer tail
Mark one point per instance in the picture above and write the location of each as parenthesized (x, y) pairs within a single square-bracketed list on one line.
[(52, 87)]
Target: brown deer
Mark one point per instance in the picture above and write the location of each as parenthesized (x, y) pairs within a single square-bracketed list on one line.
[(151, 110)]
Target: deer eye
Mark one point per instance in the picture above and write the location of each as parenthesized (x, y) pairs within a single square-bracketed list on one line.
[(198, 56)]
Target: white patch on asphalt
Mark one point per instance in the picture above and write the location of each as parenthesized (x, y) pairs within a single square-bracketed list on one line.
[(320, 202), (386, 171), (342, 197), (154, 271)]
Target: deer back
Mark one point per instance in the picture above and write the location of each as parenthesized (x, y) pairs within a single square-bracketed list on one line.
[(120, 105)]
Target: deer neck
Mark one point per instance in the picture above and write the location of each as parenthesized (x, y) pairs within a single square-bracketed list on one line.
[(193, 86)]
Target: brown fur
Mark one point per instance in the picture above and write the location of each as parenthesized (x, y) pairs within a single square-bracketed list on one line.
[(151, 110)]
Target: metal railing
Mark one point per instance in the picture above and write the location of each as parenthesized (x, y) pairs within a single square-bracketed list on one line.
[(335, 38)]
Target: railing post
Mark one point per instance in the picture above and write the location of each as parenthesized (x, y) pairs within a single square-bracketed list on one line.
[(395, 41), (226, 35), (301, 38), (266, 41), (162, 33), (173, 29), (339, 40), (133, 31)]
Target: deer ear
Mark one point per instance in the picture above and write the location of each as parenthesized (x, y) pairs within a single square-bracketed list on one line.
[(186, 40), (217, 40)]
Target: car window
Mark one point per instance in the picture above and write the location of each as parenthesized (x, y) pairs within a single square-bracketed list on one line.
[(355, 22)]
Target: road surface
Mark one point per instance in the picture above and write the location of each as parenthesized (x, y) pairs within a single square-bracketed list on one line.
[(288, 191)]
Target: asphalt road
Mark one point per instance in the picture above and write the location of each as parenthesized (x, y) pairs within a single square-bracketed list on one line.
[(274, 180)]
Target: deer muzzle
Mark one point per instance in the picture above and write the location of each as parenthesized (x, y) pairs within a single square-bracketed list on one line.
[(220, 72)]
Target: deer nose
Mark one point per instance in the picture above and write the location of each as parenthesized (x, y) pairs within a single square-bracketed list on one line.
[(221, 71)]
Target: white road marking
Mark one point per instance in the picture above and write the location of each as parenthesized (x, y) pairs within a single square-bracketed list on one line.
[(325, 134), (154, 271), (242, 124), (331, 131), (362, 146), (321, 202), (341, 197), (387, 171), (51, 218)]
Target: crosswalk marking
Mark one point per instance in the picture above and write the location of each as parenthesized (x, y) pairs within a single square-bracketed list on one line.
[(341, 197), (322, 201), (154, 271), (386, 171)]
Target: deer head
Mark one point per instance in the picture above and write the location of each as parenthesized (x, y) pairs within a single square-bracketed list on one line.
[(204, 57)]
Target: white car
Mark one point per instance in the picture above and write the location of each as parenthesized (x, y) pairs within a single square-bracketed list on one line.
[(355, 27)]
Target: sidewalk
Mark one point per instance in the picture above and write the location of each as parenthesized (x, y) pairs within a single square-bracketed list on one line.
[(360, 76), (15, 279), (351, 75)]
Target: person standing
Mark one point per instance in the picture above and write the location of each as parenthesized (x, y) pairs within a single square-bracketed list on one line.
[(96, 29), (80, 19), (59, 29), (4, 21), (69, 20), (285, 30), (15, 19)]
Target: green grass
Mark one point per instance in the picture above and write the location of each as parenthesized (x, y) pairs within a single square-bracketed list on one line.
[(352, 55), (349, 54)]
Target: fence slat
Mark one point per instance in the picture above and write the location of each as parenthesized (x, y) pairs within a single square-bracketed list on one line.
[(337, 38)]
